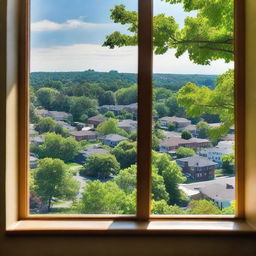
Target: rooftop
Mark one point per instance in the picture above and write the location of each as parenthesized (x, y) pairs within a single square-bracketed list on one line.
[(216, 189), (83, 133), (98, 118), (174, 119), (197, 161), (115, 137)]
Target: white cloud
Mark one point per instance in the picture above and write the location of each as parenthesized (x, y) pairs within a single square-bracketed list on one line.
[(47, 25), (81, 57)]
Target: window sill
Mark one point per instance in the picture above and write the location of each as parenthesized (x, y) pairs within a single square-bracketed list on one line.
[(131, 227)]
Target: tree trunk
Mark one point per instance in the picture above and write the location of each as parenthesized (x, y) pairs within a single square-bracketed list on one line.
[(49, 203)]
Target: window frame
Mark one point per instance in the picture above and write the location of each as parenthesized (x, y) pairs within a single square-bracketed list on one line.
[(145, 61)]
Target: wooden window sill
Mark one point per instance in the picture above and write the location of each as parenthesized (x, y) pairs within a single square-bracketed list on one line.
[(131, 227)]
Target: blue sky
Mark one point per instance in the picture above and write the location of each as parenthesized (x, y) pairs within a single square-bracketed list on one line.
[(66, 35)]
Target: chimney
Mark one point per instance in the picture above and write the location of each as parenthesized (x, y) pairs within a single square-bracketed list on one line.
[(229, 186)]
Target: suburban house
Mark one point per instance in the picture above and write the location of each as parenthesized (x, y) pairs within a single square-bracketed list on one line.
[(229, 137), (37, 140), (128, 125), (179, 122), (168, 134), (42, 112), (131, 108), (33, 161), (215, 154), (191, 128), (96, 120), (60, 116), (197, 167), (85, 135), (117, 109), (113, 139), (67, 126), (220, 190), (83, 155), (172, 144), (32, 131)]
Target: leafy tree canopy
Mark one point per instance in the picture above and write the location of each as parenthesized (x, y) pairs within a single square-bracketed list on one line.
[(125, 153), (186, 135), (184, 152), (206, 37), (110, 126), (52, 180), (100, 166), (55, 146), (201, 207), (198, 101), (106, 198)]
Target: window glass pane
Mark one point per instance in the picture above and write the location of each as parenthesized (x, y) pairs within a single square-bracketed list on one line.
[(193, 169), (83, 107)]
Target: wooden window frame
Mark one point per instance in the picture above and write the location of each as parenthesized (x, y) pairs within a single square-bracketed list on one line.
[(143, 222)]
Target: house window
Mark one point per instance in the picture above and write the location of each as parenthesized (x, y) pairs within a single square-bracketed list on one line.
[(90, 84)]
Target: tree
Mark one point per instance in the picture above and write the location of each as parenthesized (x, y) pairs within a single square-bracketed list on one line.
[(228, 163), (104, 198), (155, 142), (55, 146), (127, 179), (161, 207), (230, 210), (186, 135), (206, 37), (184, 152), (171, 126), (203, 207), (158, 186), (100, 166), (125, 153), (201, 100), (161, 109), (173, 108), (80, 106), (109, 114), (46, 124), (110, 126), (107, 98), (46, 97), (202, 129), (53, 181), (126, 96), (172, 175), (61, 102)]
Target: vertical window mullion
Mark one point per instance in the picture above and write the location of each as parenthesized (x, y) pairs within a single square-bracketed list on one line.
[(239, 28), (145, 60), (23, 111)]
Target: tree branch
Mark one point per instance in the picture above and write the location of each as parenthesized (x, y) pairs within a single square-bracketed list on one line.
[(227, 42), (216, 49), (226, 106)]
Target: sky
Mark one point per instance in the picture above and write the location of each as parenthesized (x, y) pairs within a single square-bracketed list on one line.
[(66, 35)]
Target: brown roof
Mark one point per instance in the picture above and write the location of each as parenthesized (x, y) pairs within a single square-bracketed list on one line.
[(97, 118), (175, 141)]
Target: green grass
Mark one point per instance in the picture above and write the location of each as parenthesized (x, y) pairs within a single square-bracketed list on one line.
[(219, 173)]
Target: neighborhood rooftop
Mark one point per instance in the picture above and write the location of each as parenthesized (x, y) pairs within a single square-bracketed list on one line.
[(115, 137), (197, 161)]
